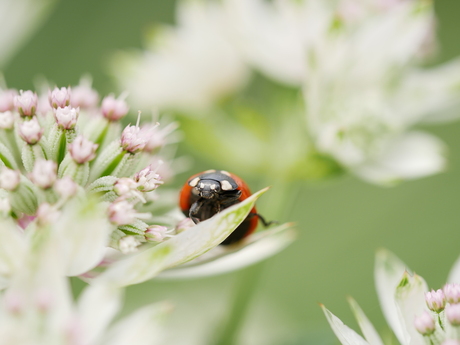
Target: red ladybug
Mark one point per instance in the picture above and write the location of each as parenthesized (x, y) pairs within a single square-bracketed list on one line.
[(211, 191)]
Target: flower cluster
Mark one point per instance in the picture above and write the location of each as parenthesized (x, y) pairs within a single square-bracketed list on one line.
[(357, 63), (413, 312)]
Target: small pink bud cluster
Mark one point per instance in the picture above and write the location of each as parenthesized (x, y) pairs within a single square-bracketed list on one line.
[(66, 117), (425, 323), (44, 173), (148, 179), (128, 244), (114, 109), (184, 225), (30, 131), (157, 233), (126, 187), (133, 139), (452, 293), (26, 103), (66, 187), (82, 150), (435, 300), (59, 98), (84, 97), (121, 212), (7, 100)]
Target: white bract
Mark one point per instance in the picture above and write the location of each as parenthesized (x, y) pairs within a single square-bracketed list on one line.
[(407, 306)]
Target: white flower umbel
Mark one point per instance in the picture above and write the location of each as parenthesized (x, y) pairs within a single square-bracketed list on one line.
[(188, 67), (415, 315)]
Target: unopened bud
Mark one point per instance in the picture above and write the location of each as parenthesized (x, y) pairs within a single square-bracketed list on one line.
[(6, 120), (435, 300), (184, 225), (66, 117), (128, 244), (44, 173), (26, 103), (132, 139), (114, 109), (148, 179), (452, 293), (30, 131), (9, 179), (424, 323), (7, 100), (82, 150), (66, 187), (157, 233), (59, 98), (453, 314)]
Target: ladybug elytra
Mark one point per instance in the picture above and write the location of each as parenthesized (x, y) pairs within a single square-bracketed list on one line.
[(211, 191)]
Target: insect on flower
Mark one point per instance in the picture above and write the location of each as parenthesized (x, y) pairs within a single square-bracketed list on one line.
[(211, 191)]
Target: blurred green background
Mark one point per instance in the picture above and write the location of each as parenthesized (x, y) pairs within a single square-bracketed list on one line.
[(341, 222)]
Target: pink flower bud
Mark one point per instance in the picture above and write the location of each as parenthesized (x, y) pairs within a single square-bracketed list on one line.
[(6, 120), (435, 300), (47, 214), (148, 179), (9, 179), (424, 323), (157, 233), (128, 244), (452, 293), (114, 109), (184, 225), (453, 314), (30, 131), (26, 103), (44, 173), (84, 96), (59, 98), (66, 117), (7, 100), (121, 212), (82, 150), (132, 139), (66, 187)]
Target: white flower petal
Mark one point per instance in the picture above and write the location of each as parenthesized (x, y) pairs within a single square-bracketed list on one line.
[(412, 155), (97, 306), (83, 224), (180, 248), (366, 326), (388, 272), (346, 335), (410, 300), (454, 274), (143, 327), (229, 258)]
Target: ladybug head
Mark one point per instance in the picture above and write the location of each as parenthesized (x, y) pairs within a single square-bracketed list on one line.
[(208, 189)]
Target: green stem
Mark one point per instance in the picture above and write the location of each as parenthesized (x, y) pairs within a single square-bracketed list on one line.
[(246, 286)]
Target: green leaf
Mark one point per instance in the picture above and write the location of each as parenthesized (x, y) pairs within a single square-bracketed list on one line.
[(181, 248)]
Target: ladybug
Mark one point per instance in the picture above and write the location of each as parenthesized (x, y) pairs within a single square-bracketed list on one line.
[(211, 191)]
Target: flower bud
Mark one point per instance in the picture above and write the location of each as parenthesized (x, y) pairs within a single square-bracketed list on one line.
[(184, 225), (127, 187), (44, 173), (453, 314), (121, 212), (59, 98), (9, 179), (30, 131), (84, 97), (66, 117), (114, 109), (128, 244), (156, 233), (435, 300), (7, 100), (66, 187), (132, 139), (26, 103), (148, 179), (452, 293), (82, 150), (47, 214), (425, 323), (6, 120)]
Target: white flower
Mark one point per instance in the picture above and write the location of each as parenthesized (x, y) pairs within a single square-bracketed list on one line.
[(187, 67), (403, 298)]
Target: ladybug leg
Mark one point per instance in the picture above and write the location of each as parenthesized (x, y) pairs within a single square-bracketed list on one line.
[(194, 211), (264, 222)]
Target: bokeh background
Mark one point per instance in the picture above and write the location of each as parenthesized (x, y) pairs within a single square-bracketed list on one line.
[(341, 222)]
